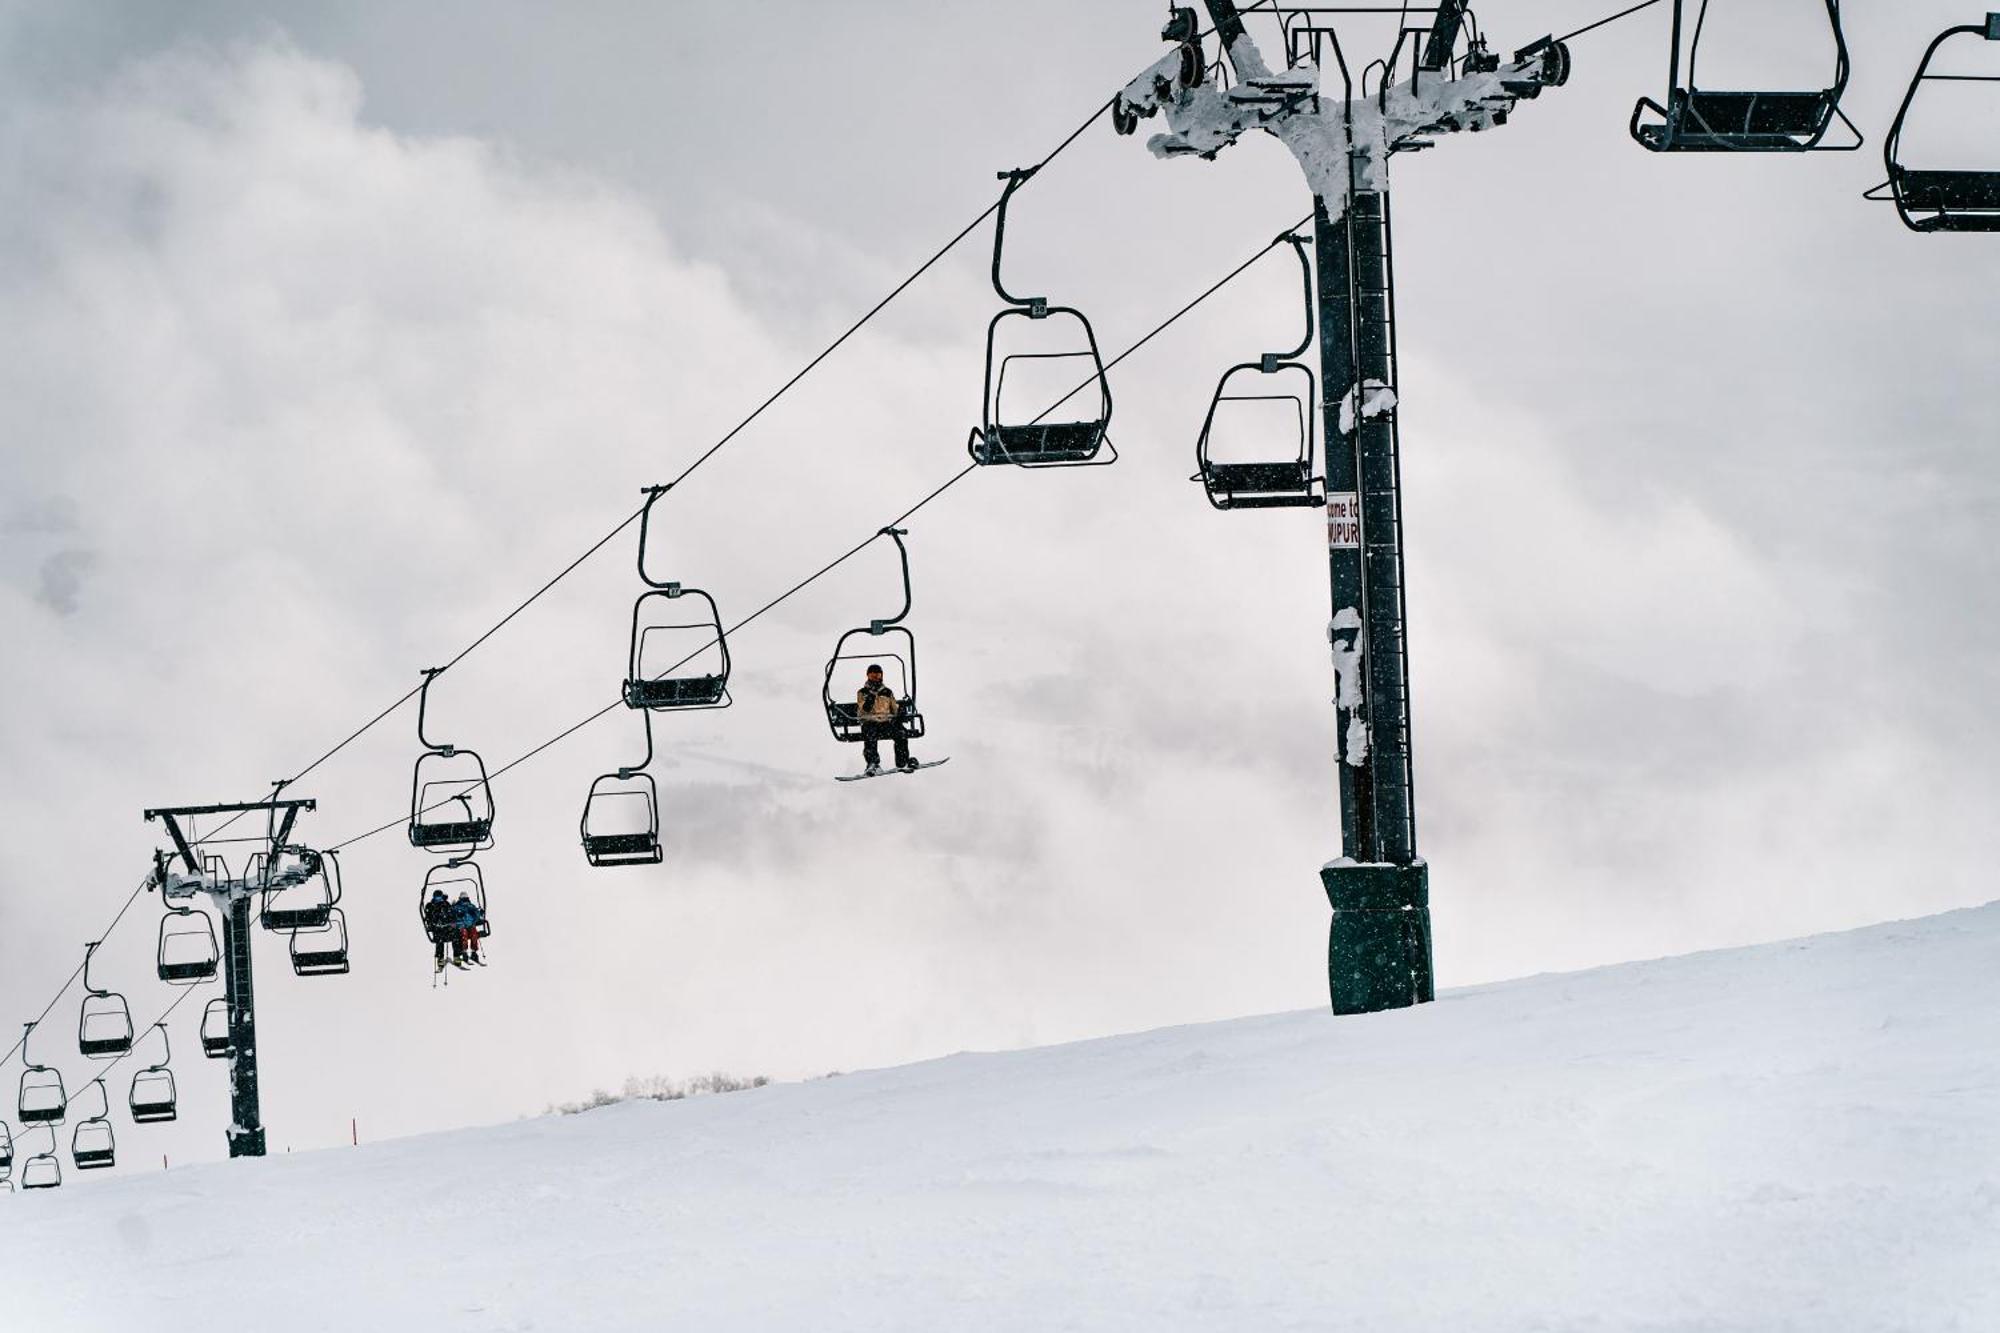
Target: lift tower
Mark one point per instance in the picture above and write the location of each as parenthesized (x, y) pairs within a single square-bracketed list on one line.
[(232, 901), (1379, 948)]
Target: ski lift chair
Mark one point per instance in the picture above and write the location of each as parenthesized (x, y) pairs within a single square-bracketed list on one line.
[(1274, 394), (104, 1021), (41, 1099), (322, 951), (215, 1029), (152, 1098), (657, 620), (92, 1144), (1933, 200), (1701, 120), (1057, 436), (454, 878), (890, 643), (451, 801), (6, 1149), (188, 952), (43, 1171), (305, 900), (621, 815)]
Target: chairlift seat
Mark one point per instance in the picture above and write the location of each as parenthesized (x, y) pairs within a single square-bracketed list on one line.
[(215, 1029), (1262, 485), (323, 952), (1960, 200), (1697, 121), (460, 832), (846, 720), (97, 1047), (675, 692), (311, 917), (94, 1159), (196, 970), (622, 849), (1046, 442), (42, 1100), (153, 1099), (41, 1172)]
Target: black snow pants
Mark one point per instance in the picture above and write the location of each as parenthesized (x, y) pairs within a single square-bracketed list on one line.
[(872, 732)]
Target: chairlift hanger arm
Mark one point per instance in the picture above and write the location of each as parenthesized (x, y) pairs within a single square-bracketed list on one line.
[(1298, 244), (896, 535), (646, 717), (1034, 305), (653, 494), (423, 707)]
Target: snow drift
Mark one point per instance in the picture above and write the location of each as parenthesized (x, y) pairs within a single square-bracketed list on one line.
[(1793, 1136)]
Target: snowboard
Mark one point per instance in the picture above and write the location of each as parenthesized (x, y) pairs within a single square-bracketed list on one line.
[(861, 777)]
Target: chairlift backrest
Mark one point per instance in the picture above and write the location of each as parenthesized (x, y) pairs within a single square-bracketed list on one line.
[(93, 1144), (321, 951), (215, 1029), (1051, 437), (1938, 200), (43, 1171), (188, 952), (1697, 119), (41, 1099), (301, 892)]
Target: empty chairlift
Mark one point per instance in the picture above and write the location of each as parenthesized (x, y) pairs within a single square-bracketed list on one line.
[(215, 1029), (1967, 198), (451, 801), (301, 888), (1256, 445), (43, 1171), (41, 1099), (621, 815), (92, 1145), (887, 642), (6, 1150), (1037, 412), (104, 1023), (680, 655), (153, 1097), (188, 952), (322, 951), (1705, 120)]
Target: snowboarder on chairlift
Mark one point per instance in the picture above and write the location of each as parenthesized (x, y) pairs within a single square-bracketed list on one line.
[(881, 716), (438, 924), (467, 917)]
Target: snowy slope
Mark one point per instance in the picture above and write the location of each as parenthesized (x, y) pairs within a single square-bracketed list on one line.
[(1795, 1136)]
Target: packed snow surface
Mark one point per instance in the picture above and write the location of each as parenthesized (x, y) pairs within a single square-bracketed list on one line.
[(1794, 1136)]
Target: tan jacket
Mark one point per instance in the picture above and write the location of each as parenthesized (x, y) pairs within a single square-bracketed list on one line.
[(875, 703)]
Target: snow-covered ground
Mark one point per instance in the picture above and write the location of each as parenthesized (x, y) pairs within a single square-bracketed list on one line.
[(1795, 1136)]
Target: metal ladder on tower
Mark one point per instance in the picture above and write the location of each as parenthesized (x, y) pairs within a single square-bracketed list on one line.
[(1385, 608)]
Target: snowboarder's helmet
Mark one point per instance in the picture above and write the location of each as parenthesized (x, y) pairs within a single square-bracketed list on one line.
[(874, 668)]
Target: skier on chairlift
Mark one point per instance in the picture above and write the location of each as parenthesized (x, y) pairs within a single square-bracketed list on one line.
[(442, 929), (880, 714), (467, 918)]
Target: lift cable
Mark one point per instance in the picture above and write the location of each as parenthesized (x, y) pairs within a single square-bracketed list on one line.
[(852, 551), (1611, 18)]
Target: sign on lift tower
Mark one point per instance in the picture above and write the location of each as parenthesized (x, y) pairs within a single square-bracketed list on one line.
[(1379, 949)]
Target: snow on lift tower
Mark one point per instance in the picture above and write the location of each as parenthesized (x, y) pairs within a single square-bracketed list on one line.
[(1439, 77)]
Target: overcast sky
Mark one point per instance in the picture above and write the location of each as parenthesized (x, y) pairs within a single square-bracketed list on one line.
[(330, 337)]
